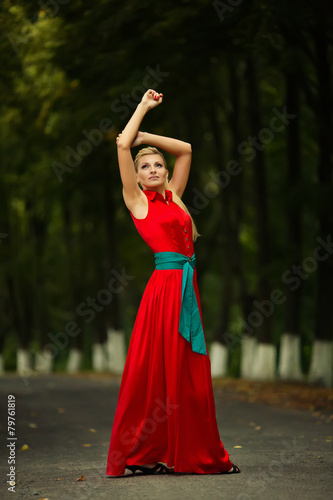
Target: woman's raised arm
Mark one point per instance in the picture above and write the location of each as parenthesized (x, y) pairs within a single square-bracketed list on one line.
[(131, 191)]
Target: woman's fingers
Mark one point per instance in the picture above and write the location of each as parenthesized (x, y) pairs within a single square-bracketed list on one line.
[(155, 95), (152, 98)]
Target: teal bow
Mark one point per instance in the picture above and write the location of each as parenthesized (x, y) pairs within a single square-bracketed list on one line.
[(190, 326)]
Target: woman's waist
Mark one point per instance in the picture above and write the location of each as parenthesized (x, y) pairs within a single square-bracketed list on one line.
[(174, 260), (188, 252)]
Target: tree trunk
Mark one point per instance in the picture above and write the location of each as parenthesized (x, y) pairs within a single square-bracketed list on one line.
[(219, 351), (116, 350), (5, 302), (43, 357), (99, 357), (264, 368), (321, 364), (114, 336), (74, 359), (248, 357), (248, 345), (290, 348)]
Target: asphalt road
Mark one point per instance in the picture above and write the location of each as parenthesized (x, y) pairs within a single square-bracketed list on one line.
[(66, 423)]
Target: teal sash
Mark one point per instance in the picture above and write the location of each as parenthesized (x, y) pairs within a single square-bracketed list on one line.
[(190, 326)]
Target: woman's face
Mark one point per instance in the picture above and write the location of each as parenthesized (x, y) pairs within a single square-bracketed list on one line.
[(152, 173)]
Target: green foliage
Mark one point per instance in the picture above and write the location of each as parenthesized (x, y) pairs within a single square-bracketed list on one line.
[(68, 69)]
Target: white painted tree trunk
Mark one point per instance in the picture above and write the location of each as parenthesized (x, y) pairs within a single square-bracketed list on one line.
[(74, 360), (99, 358), (265, 362), (290, 357), (321, 363), (248, 357), (116, 350), (43, 361), (218, 359), (23, 362), (2, 365)]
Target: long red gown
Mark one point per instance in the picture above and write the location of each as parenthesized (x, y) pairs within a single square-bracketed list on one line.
[(166, 409)]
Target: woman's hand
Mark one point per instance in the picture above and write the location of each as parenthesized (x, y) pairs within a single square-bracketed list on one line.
[(137, 141), (151, 98)]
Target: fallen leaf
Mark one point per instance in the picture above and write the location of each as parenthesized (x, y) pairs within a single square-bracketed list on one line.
[(92, 430), (86, 445), (257, 428), (32, 425), (238, 446), (81, 478), (58, 479), (25, 447), (61, 410)]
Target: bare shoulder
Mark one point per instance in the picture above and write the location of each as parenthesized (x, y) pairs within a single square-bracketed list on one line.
[(137, 205)]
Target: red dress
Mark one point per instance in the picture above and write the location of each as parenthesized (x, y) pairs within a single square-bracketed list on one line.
[(166, 409)]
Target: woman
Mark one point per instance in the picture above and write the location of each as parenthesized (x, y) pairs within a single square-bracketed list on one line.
[(166, 409)]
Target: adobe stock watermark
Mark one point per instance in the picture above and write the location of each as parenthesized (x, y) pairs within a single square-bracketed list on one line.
[(228, 6), (248, 148), (293, 278), (29, 29), (133, 437), (87, 309), (273, 471), (94, 137)]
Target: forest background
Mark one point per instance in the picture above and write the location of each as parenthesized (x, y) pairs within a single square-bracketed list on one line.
[(248, 83)]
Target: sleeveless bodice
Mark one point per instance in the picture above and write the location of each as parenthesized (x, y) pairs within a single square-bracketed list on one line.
[(167, 227)]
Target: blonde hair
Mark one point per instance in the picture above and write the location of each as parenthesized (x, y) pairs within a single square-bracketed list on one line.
[(154, 151)]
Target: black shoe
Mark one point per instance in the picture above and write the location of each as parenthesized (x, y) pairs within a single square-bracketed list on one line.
[(157, 469), (235, 470)]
